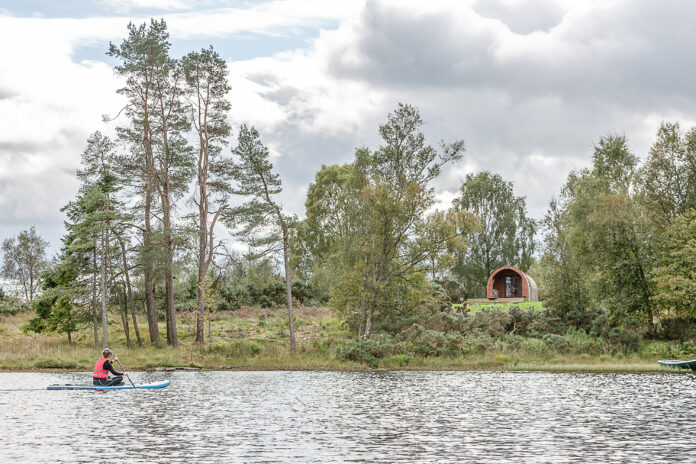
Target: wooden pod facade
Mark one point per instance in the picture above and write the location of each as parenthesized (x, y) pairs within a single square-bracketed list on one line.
[(510, 282)]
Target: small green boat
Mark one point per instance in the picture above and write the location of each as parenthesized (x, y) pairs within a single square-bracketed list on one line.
[(679, 364)]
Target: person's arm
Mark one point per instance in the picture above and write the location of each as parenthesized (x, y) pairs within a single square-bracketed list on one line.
[(110, 368)]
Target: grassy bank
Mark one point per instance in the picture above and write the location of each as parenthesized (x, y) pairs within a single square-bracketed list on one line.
[(256, 339)]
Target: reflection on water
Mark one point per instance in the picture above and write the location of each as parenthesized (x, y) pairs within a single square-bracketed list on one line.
[(352, 417)]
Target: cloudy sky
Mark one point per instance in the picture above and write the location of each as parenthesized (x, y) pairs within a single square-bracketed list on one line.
[(529, 85)]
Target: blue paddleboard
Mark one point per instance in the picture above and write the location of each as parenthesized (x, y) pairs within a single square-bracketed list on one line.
[(144, 386)]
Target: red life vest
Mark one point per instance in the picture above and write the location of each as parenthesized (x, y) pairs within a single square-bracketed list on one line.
[(99, 372)]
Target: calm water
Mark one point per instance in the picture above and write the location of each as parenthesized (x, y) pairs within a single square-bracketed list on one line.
[(353, 417)]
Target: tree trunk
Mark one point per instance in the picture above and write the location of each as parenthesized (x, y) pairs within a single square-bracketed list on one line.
[(172, 337), (363, 318), (129, 291), (200, 310), (202, 256), (288, 287), (169, 299), (368, 324), (124, 315), (147, 274), (95, 318), (104, 315)]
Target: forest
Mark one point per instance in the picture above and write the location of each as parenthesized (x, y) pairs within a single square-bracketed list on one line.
[(149, 237)]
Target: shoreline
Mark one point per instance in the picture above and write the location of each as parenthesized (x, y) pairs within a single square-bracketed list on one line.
[(526, 367), (255, 340)]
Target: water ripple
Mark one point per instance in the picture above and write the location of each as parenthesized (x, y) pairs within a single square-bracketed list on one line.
[(322, 417)]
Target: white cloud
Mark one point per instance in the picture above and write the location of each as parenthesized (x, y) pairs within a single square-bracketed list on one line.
[(529, 85)]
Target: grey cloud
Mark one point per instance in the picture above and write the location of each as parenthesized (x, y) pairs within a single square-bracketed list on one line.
[(522, 17), (264, 79), (6, 94), (8, 149), (637, 53), (528, 116), (283, 96)]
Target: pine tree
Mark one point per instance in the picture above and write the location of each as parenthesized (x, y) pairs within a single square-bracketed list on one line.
[(266, 226), (206, 90)]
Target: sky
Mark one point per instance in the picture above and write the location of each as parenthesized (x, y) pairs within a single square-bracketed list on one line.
[(530, 85)]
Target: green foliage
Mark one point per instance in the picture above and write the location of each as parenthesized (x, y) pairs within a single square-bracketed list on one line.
[(56, 310), (676, 279), (24, 259), (556, 342), (236, 349), (12, 306), (373, 217), (598, 249), (505, 234), (368, 351), (255, 283)]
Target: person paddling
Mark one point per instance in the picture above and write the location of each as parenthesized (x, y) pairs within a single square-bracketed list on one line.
[(102, 369)]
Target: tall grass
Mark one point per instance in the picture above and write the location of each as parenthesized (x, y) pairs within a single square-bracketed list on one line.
[(252, 339)]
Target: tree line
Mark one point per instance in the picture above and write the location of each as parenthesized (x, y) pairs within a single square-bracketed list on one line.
[(617, 241), (620, 236)]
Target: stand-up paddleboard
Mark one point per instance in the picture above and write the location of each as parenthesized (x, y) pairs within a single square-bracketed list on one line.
[(691, 364), (145, 386)]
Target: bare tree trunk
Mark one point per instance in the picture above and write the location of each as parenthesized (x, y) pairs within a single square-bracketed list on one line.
[(288, 287), (129, 290), (202, 257), (104, 315), (124, 314), (169, 300), (368, 324), (200, 310), (172, 337), (147, 274), (363, 318), (95, 319)]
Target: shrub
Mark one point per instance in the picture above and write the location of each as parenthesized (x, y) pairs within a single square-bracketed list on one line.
[(535, 346), (13, 307), (56, 364), (266, 301), (661, 350), (509, 342), (677, 329), (555, 342), (368, 351), (476, 343), (237, 348), (580, 341), (434, 343), (400, 360)]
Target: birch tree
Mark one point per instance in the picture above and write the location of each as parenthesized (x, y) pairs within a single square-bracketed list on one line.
[(24, 259), (381, 263), (505, 234)]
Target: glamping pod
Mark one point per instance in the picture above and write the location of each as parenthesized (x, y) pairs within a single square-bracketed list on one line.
[(510, 282)]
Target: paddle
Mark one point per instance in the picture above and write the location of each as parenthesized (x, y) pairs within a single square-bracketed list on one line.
[(124, 370)]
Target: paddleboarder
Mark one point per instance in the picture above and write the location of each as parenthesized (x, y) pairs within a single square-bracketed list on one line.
[(102, 369)]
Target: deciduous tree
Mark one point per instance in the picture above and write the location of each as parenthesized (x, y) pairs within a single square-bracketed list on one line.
[(505, 235), (24, 259)]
